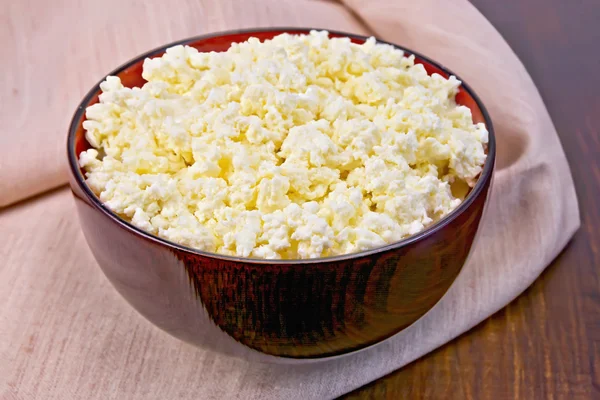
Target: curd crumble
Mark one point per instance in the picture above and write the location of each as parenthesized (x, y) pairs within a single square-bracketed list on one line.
[(302, 146)]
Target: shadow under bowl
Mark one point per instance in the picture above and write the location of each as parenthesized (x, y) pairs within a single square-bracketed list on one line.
[(282, 310)]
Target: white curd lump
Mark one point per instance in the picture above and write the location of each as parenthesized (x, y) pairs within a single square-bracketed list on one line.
[(302, 146)]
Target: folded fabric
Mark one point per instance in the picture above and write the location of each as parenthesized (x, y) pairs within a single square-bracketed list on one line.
[(66, 334)]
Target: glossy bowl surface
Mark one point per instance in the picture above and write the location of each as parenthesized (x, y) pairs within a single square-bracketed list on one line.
[(283, 310)]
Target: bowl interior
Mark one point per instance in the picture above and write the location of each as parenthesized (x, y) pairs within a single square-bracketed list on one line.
[(131, 76)]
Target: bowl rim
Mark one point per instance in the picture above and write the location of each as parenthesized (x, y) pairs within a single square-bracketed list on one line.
[(484, 177)]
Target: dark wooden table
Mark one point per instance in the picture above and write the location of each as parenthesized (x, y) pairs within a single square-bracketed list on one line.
[(545, 344)]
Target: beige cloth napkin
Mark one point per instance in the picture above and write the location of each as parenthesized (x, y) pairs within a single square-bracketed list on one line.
[(66, 334)]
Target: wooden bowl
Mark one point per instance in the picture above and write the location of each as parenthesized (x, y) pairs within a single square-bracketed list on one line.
[(281, 310)]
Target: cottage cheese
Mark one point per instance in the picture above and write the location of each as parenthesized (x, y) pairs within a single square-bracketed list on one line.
[(301, 146)]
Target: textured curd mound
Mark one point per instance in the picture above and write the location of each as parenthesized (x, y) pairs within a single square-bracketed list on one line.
[(301, 146)]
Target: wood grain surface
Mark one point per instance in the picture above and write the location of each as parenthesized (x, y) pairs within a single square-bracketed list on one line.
[(546, 344)]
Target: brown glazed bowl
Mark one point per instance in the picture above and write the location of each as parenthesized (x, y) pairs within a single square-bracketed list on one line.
[(278, 310)]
